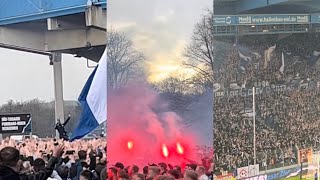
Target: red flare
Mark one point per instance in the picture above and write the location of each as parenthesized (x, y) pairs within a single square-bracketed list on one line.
[(165, 151), (130, 144), (180, 148)]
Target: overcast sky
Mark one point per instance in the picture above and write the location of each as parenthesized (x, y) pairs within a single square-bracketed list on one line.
[(25, 76), (159, 28)]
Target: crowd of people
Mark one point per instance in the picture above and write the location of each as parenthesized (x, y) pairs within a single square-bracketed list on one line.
[(42, 159), (51, 159), (162, 171), (286, 102)]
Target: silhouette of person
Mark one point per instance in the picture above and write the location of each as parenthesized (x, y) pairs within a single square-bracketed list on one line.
[(60, 128)]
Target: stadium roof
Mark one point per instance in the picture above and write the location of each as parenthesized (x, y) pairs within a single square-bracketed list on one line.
[(222, 7)]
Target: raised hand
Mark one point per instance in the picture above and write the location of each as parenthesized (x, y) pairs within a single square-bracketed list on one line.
[(58, 151)]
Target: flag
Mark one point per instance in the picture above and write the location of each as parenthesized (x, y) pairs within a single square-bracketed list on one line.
[(216, 87), (244, 61), (314, 58), (282, 66), (93, 99), (267, 55)]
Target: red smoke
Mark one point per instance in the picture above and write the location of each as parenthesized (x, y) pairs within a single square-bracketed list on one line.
[(141, 130)]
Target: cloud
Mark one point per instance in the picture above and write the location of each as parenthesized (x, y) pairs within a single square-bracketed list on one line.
[(163, 65), (164, 18), (160, 30), (123, 26), (161, 19)]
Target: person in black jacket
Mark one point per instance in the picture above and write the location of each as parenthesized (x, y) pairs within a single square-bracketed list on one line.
[(60, 128), (10, 165)]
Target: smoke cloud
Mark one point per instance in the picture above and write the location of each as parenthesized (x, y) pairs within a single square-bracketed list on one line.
[(136, 114)]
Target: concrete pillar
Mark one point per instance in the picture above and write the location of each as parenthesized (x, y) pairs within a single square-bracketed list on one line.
[(58, 88)]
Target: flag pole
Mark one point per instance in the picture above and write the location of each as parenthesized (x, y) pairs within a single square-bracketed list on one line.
[(318, 167), (254, 124), (105, 123)]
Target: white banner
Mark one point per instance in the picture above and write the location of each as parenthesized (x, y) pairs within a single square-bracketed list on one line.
[(253, 170), (243, 172)]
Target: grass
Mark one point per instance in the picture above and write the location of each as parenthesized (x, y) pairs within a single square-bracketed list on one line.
[(297, 178)]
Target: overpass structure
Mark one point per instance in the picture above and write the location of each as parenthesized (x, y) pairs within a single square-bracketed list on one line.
[(248, 17), (52, 27)]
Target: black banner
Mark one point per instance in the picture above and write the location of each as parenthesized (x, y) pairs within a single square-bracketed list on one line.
[(15, 123)]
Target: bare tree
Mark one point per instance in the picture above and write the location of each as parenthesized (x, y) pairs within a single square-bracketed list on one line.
[(172, 85), (200, 51), (177, 92), (123, 60), (43, 119)]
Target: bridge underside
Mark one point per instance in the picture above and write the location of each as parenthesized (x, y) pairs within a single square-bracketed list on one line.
[(81, 34), (50, 28)]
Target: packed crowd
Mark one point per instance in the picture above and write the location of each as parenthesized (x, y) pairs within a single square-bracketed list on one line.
[(287, 118), (163, 171), (45, 159), (50, 159)]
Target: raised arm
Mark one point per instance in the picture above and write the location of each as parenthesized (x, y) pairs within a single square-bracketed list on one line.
[(67, 120)]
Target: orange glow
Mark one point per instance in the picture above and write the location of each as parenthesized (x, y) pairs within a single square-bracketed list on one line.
[(179, 148), (130, 145), (165, 151)]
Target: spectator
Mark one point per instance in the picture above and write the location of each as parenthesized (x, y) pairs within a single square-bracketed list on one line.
[(191, 167), (11, 165), (133, 170), (163, 168), (123, 175), (201, 171), (145, 171), (119, 166), (112, 174), (190, 175), (87, 175), (164, 177), (174, 173), (103, 174), (138, 176), (153, 171)]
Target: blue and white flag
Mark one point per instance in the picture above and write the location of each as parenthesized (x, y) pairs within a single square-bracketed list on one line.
[(245, 59), (93, 99)]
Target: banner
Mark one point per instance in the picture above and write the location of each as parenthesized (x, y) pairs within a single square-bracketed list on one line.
[(273, 19), (15, 123), (315, 18), (283, 173), (253, 170), (264, 19), (224, 20), (228, 176), (305, 155), (243, 172), (262, 90)]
